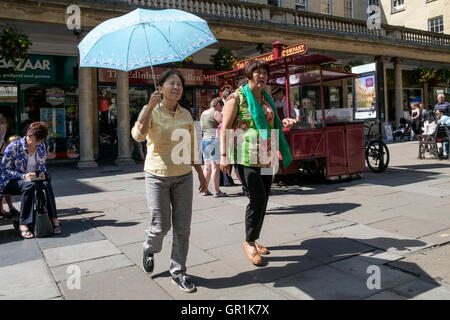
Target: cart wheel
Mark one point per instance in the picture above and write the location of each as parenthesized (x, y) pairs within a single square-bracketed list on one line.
[(377, 156), (16, 225)]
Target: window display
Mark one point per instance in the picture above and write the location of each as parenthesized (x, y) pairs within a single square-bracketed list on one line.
[(57, 107), (107, 107)]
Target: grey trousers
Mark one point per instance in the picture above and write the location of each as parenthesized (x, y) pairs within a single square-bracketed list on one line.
[(170, 202)]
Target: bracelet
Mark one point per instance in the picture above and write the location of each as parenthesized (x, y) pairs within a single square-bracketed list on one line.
[(224, 154)]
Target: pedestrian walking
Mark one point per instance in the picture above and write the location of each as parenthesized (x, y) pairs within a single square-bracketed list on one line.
[(169, 187), (209, 122), (252, 110)]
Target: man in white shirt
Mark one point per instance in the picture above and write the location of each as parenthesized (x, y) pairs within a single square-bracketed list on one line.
[(280, 103)]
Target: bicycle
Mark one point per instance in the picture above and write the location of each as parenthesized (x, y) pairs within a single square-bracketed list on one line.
[(376, 153)]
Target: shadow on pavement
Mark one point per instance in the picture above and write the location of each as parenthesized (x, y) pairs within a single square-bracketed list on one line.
[(329, 209), (310, 275)]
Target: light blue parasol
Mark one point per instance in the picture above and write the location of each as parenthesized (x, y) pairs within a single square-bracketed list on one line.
[(144, 38)]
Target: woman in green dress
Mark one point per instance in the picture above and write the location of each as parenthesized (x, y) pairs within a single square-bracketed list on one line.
[(251, 111)]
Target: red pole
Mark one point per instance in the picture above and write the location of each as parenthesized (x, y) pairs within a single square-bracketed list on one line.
[(322, 97), (286, 73), (277, 49)]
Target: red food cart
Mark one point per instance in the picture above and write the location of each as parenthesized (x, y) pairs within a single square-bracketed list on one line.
[(329, 141)]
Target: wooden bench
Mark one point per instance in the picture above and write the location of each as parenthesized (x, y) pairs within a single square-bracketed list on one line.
[(429, 143)]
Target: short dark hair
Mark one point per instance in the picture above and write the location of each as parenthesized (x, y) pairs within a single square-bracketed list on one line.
[(254, 65), (163, 77), (38, 130), (226, 93), (215, 101)]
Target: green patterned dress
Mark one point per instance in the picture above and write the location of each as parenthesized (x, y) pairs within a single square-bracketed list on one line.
[(247, 148)]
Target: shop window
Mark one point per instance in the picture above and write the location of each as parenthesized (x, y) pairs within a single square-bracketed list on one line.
[(57, 107), (8, 104), (107, 128)]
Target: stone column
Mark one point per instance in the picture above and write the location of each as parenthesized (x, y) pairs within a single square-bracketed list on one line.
[(85, 119), (344, 93), (386, 100), (398, 90), (425, 98), (123, 120), (95, 113), (383, 91)]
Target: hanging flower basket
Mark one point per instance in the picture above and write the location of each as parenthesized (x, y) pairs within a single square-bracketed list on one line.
[(223, 59), (424, 75), (187, 62), (442, 76), (14, 46), (348, 67)]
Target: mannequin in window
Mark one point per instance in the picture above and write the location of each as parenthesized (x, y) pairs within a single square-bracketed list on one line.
[(104, 102)]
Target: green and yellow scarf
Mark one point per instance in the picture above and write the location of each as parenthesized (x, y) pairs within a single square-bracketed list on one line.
[(258, 116)]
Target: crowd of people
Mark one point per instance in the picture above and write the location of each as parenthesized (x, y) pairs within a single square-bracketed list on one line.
[(169, 183), (421, 122)]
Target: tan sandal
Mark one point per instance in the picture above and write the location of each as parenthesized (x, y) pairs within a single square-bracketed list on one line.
[(261, 250), (254, 257)]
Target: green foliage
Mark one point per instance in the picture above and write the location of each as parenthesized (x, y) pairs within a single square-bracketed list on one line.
[(223, 59), (14, 45), (427, 75)]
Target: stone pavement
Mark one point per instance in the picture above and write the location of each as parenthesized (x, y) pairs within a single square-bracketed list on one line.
[(326, 240)]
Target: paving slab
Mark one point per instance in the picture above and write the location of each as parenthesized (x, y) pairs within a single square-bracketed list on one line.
[(118, 214), (74, 232), (438, 238), (243, 202), (368, 215), (378, 257), (195, 256), (206, 202), (79, 252), (231, 214), (361, 268), (215, 233), (121, 284), (89, 267), (284, 260), (313, 214), (427, 187), (409, 227), (277, 231), (421, 290), (29, 280), (214, 280), (386, 295), (328, 248), (323, 283), (381, 239), (19, 251), (333, 225), (121, 233), (430, 264)]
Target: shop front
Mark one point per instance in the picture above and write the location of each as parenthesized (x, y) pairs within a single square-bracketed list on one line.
[(45, 88), (198, 92)]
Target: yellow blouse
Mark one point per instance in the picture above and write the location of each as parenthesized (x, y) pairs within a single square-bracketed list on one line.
[(164, 155)]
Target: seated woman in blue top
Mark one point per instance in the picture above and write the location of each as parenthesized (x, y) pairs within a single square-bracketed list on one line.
[(23, 163)]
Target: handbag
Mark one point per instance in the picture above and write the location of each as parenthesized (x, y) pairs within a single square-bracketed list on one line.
[(42, 225)]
